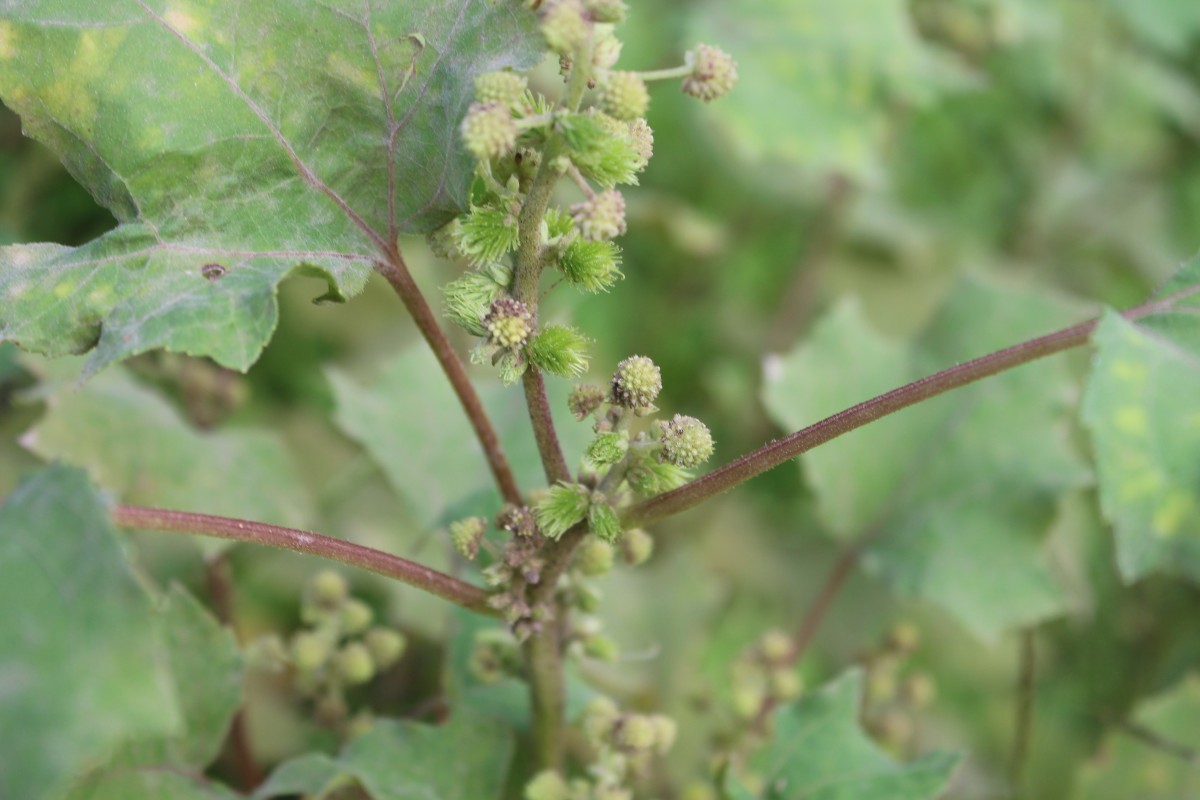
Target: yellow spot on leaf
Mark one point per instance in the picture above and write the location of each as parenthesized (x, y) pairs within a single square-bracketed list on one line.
[(357, 76), (1131, 419), (64, 289), (1138, 486), (99, 295), (1171, 515), (8, 40), (182, 21), (1130, 371)]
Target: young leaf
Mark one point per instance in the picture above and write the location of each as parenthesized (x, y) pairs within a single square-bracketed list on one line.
[(137, 446), (77, 637), (210, 135), (1141, 410), (468, 757), (818, 752), (965, 530)]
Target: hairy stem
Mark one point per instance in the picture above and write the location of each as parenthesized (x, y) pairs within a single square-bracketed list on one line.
[(775, 453), (553, 460), (397, 274), (458, 592), (543, 650)]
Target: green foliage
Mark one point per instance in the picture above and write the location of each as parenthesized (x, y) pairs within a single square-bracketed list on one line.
[(468, 757), (819, 753), (136, 445), (891, 189), (1140, 409), (966, 530)]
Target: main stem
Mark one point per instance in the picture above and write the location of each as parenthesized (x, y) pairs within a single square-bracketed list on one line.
[(445, 586), (775, 453), (397, 274), (543, 650)]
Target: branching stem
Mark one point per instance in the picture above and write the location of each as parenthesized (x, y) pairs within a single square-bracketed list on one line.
[(397, 274), (775, 453), (458, 592)]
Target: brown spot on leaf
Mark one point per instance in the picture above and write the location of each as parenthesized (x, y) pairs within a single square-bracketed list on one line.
[(213, 272)]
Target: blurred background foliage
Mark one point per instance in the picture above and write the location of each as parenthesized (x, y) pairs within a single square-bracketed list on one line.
[(874, 149)]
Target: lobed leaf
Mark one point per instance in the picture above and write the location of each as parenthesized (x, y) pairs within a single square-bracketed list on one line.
[(136, 445), (235, 144), (1141, 409), (78, 638), (819, 752), (965, 529)]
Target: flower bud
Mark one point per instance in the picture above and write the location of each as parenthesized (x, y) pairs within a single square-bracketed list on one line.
[(563, 25), (601, 217), (488, 130), (328, 588), (547, 785), (385, 645), (775, 646), (610, 11), (623, 95), (714, 72), (642, 137), (665, 731), (354, 665), (466, 534), (585, 399), (636, 547), (594, 556), (607, 48), (356, 617), (599, 718), (309, 649), (636, 732), (636, 383), (502, 87), (686, 441), (508, 323), (600, 648)]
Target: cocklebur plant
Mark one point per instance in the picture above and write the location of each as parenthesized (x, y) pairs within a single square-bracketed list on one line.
[(229, 166)]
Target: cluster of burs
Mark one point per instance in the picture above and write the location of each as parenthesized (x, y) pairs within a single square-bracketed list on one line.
[(591, 137), (339, 646)]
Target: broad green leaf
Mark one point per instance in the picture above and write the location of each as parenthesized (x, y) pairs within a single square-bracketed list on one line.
[(1153, 757), (204, 666), (819, 752), (235, 144), (154, 785), (1143, 412), (78, 638), (817, 79), (1171, 25), (959, 491), (137, 446), (411, 423), (465, 758)]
